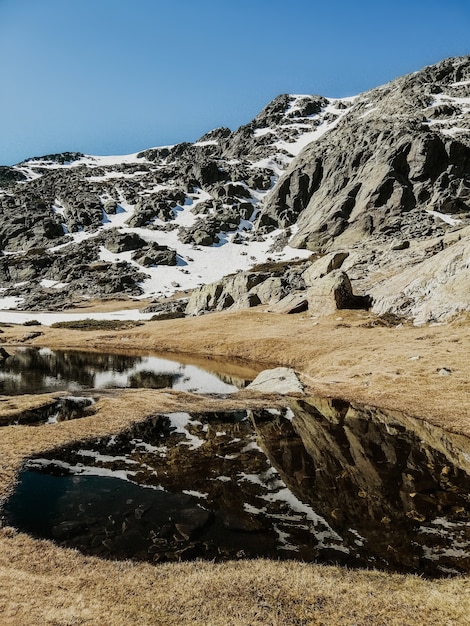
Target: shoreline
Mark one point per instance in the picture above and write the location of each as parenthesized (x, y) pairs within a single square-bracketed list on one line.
[(339, 356)]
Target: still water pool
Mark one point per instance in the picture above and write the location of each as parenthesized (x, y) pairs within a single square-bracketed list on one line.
[(322, 481), (41, 370)]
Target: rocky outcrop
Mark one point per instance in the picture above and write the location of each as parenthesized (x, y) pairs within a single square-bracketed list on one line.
[(154, 254), (333, 292), (226, 293), (434, 290), (278, 380), (323, 266), (117, 242), (383, 165), (315, 287), (375, 185)]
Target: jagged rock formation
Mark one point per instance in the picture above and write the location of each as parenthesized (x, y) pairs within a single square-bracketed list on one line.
[(401, 149), (135, 216), (381, 180), (318, 286)]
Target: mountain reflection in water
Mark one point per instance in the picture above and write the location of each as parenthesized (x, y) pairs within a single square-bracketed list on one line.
[(41, 370), (321, 481)]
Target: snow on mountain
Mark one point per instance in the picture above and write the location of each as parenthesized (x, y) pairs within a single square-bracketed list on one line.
[(200, 200), (380, 181)]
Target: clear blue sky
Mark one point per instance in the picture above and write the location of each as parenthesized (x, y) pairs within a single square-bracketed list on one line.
[(118, 76)]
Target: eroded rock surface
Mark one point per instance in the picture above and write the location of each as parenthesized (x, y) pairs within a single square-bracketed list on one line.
[(378, 184)]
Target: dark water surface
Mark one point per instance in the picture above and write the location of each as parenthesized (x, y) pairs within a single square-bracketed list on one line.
[(322, 481)]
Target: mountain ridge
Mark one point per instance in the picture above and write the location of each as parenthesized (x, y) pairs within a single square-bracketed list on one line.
[(383, 177)]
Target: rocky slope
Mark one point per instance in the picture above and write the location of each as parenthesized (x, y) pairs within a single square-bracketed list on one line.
[(380, 184)]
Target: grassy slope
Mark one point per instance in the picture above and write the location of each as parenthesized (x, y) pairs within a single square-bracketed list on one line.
[(42, 584)]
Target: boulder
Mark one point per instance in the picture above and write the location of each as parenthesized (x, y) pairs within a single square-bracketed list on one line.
[(117, 242), (246, 301), (270, 290), (279, 380), (204, 299), (111, 207), (154, 254), (292, 303), (232, 291), (333, 292), (167, 307), (323, 266)]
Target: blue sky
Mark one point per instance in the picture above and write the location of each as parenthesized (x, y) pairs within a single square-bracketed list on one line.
[(118, 76)]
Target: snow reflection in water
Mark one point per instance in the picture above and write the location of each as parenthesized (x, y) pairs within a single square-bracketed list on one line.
[(323, 481), (32, 370)]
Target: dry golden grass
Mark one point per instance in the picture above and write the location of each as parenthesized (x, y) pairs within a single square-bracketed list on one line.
[(396, 368), (43, 584)]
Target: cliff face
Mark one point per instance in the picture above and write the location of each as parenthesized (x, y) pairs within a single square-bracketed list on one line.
[(401, 151), (382, 178)]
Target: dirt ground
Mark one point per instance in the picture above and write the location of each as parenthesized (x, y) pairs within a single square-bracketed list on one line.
[(423, 371)]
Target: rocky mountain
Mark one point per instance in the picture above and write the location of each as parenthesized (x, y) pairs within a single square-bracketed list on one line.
[(316, 204)]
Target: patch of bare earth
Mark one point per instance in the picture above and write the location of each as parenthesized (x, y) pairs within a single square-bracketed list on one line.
[(423, 371)]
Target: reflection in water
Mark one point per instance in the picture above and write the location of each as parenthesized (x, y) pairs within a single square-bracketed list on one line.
[(32, 370), (399, 497), (53, 411), (322, 481)]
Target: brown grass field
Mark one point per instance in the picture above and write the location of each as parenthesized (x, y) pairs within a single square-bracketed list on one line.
[(350, 355)]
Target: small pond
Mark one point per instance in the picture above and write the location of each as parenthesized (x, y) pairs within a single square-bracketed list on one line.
[(41, 370), (321, 481)]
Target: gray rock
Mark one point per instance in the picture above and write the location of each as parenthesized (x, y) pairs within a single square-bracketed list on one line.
[(169, 306), (226, 293), (292, 303), (282, 380), (155, 254), (271, 290), (400, 245), (118, 242), (334, 292), (434, 289), (395, 166), (444, 371), (110, 207), (323, 266)]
